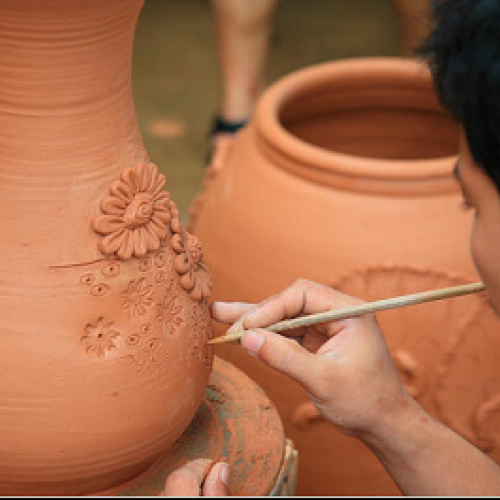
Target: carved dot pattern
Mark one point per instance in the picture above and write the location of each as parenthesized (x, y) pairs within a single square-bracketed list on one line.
[(133, 339), (145, 330), (87, 279), (99, 290), (111, 269)]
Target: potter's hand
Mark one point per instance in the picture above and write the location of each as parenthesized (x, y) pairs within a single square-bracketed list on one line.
[(192, 480), (344, 365)]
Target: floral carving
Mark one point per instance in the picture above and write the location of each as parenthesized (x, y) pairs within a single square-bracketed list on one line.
[(99, 337), (201, 333), (149, 353), (169, 314), (195, 278), (136, 214), (137, 297)]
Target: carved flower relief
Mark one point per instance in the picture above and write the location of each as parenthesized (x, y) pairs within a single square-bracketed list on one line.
[(152, 353), (188, 262), (169, 314), (145, 353), (201, 332), (138, 297), (136, 214), (99, 337)]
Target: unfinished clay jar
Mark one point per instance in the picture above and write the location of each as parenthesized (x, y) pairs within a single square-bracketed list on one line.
[(104, 315), (344, 177)]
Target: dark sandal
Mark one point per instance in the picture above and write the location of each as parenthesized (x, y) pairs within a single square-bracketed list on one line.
[(221, 126)]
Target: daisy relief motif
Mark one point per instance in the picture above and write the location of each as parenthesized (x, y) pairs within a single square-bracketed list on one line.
[(136, 215), (99, 337)]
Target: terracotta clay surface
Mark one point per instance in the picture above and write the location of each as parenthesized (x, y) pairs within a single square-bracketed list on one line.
[(344, 177), (236, 423), (104, 312)]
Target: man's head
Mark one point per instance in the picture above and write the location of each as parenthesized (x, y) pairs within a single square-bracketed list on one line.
[(464, 55)]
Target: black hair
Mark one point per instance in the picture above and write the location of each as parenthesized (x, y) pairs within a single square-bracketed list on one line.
[(463, 50)]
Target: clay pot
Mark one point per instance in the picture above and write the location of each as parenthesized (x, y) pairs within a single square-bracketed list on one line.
[(104, 315), (344, 177)]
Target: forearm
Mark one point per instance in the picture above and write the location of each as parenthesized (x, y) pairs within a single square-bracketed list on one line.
[(426, 458)]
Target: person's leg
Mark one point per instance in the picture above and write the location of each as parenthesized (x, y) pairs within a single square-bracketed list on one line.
[(414, 23), (243, 29)]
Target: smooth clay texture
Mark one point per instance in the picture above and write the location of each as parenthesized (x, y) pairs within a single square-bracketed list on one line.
[(104, 295), (344, 177)]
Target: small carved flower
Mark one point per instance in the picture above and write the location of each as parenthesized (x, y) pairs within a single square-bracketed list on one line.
[(99, 337), (137, 297), (136, 214), (170, 314), (152, 354), (195, 278)]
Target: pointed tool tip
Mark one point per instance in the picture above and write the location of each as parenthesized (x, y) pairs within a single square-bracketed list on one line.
[(232, 337)]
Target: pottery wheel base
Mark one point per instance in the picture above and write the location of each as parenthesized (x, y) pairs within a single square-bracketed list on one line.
[(235, 422)]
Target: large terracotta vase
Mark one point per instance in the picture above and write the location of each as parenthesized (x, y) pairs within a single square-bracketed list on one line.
[(343, 176), (104, 315)]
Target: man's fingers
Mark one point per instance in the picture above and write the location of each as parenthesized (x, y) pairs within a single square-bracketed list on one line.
[(229, 312), (303, 297), (217, 481), (187, 480), (284, 355)]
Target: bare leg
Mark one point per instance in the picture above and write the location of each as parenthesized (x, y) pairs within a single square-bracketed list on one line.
[(414, 22), (243, 28)]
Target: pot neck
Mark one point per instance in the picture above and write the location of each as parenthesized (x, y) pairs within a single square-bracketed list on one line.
[(65, 85)]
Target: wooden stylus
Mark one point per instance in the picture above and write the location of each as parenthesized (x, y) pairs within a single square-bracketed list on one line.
[(359, 310)]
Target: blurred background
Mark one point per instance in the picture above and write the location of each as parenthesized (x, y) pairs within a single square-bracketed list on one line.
[(176, 80)]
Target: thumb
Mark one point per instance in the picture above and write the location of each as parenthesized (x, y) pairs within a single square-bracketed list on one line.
[(284, 355)]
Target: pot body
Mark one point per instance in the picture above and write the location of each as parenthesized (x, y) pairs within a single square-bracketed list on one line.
[(344, 177), (103, 293)]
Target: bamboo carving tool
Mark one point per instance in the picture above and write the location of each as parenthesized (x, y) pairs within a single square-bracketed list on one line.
[(359, 310)]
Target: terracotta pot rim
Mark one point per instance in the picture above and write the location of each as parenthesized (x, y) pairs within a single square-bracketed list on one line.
[(317, 163)]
